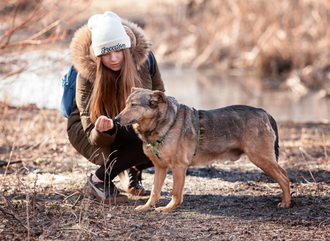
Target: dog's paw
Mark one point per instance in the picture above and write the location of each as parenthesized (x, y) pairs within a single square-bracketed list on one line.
[(164, 210), (144, 208), (284, 205)]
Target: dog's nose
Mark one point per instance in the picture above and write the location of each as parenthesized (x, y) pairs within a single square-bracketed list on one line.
[(117, 119)]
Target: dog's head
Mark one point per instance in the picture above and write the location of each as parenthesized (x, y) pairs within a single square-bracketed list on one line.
[(141, 105)]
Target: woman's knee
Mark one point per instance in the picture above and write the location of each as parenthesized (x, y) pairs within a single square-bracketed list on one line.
[(79, 141)]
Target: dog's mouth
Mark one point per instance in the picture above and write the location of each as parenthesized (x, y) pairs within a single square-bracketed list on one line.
[(122, 122)]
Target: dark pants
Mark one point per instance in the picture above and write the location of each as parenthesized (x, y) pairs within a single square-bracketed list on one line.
[(127, 152), (127, 147)]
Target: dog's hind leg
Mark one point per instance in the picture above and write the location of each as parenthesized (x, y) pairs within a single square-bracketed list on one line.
[(159, 178), (179, 175), (272, 169), (283, 171), (285, 174)]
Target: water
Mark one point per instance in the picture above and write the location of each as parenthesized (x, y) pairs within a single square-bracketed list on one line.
[(206, 90), (40, 84)]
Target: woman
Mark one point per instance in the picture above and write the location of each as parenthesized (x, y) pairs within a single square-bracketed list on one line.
[(110, 55)]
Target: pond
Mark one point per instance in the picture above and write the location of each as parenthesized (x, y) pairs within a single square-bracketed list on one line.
[(40, 84), (206, 90)]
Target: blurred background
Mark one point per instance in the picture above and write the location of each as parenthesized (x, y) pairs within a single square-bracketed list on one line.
[(212, 53)]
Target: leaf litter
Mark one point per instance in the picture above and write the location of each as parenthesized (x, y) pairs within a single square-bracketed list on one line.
[(41, 196)]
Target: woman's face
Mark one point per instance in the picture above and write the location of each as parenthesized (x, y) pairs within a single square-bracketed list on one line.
[(113, 59)]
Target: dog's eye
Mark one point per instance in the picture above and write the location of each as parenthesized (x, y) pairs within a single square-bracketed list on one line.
[(133, 104)]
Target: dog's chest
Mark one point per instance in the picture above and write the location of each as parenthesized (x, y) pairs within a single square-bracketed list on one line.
[(156, 154)]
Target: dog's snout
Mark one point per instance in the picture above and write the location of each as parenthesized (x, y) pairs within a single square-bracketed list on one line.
[(117, 119)]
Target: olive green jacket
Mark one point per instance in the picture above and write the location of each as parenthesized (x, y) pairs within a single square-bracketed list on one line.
[(84, 63)]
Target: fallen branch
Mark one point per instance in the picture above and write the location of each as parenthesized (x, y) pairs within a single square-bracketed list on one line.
[(12, 212), (5, 212)]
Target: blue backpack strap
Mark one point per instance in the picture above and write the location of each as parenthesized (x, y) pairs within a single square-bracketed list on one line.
[(69, 92), (151, 64)]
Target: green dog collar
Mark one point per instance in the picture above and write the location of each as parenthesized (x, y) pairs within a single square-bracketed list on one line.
[(155, 145)]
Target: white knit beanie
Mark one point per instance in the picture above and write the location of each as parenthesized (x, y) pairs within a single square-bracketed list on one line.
[(107, 33)]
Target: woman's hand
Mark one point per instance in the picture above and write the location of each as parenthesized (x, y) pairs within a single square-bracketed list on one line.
[(103, 123)]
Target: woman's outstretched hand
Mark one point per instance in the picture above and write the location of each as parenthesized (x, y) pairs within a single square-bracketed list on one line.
[(103, 123)]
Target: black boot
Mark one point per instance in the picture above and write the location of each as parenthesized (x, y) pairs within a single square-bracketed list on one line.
[(103, 192), (135, 181)]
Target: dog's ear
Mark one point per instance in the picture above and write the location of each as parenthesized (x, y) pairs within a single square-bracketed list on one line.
[(157, 97), (134, 89)]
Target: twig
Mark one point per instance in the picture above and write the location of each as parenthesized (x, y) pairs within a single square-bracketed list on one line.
[(27, 214), (34, 192), (74, 221), (324, 221), (5, 163), (13, 213), (11, 31), (17, 71), (302, 153), (76, 202), (14, 18), (325, 147), (305, 179), (5, 212), (11, 152), (60, 194), (69, 196), (44, 115), (56, 236), (49, 27)]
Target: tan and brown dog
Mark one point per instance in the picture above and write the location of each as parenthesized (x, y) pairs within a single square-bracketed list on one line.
[(176, 136)]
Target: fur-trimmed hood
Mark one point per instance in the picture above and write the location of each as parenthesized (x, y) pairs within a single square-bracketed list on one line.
[(84, 61)]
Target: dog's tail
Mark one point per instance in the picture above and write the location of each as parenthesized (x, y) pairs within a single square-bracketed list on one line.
[(274, 126)]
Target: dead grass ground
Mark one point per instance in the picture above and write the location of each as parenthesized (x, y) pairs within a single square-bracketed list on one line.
[(42, 198)]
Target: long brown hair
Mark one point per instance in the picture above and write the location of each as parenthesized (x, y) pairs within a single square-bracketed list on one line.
[(112, 88)]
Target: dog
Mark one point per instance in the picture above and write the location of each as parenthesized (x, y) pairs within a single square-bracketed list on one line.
[(177, 136)]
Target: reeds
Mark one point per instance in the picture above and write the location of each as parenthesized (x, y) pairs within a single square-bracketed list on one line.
[(270, 36)]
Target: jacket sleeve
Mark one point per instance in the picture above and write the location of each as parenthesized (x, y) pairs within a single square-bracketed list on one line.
[(157, 82), (95, 137)]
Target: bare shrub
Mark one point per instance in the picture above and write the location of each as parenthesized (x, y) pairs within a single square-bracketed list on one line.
[(27, 25), (273, 37)]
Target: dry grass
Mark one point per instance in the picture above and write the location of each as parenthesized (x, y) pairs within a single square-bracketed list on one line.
[(41, 198), (243, 33), (277, 39)]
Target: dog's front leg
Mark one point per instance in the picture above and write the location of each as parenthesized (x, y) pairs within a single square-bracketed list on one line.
[(159, 178), (179, 175)]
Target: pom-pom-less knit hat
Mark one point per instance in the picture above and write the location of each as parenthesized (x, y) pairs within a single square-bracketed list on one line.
[(107, 33)]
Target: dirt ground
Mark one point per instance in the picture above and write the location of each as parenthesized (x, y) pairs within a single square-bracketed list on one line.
[(41, 198)]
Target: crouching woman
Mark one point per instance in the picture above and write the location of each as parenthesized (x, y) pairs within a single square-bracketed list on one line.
[(111, 56)]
